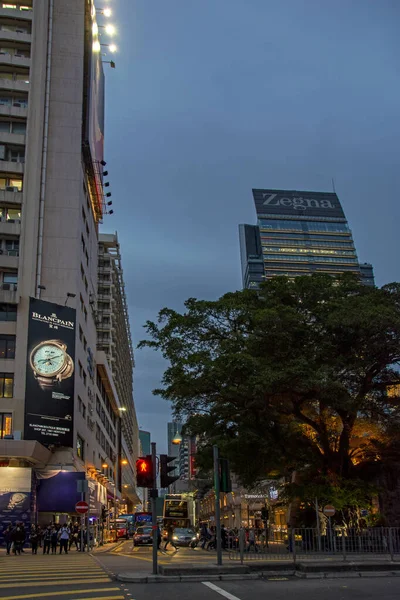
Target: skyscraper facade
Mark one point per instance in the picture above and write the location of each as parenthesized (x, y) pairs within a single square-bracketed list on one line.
[(60, 405), (298, 233)]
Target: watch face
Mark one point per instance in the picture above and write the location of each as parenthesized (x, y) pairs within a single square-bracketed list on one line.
[(47, 359)]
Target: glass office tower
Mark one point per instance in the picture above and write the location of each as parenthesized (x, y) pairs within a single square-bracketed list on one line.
[(298, 233)]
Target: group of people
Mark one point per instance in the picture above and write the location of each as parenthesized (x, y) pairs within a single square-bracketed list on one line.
[(52, 537), (230, 539)]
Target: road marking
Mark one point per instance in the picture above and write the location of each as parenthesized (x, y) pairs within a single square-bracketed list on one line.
[(58, 593), (220, 590), (47, 583)]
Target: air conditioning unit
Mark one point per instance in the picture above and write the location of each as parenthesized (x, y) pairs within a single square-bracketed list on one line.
[(17, 104), (10, 188), (7, 286), (11, 221)]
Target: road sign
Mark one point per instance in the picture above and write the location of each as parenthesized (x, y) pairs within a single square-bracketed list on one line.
[(364, 512), (81, 507), (329, 510)]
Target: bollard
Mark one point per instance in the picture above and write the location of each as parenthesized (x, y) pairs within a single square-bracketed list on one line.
[(241, 545)]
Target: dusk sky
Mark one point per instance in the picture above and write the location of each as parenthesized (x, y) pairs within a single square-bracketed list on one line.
[(211, 98)]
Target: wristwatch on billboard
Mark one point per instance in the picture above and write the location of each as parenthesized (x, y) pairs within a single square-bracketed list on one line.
[(51, 363)]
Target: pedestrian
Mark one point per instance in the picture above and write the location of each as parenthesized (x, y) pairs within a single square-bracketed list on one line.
[(18, 538), (64, 534), (204, 535), (23, 535), (224, 537), (7, 538), (34, 539), (73, 539), (54, 540), (252, 541), (158, 537), (212, 539), (170, 536), (47, 540), (39, 532)]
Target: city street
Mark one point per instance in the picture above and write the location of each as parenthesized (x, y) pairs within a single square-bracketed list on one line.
[(342, 589)]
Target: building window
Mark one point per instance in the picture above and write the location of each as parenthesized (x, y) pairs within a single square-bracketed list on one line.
[(10, 277), (8, 312), (81, 407), (84, 377), (80, 369), (6, 385), (7, 346), (6, 428), (80, 447), (80, 333)]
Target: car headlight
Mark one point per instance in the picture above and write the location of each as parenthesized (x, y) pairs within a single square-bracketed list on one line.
[(175, 537), (194, 538)]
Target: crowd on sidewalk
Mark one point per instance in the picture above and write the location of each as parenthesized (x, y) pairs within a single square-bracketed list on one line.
[(55, 538)]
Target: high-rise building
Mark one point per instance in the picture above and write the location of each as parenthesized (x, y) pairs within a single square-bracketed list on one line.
[(114, 339), (60, 404), (174, 429), (145, 441), (298, 233)]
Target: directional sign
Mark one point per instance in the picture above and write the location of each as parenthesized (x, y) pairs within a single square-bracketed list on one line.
[(81, 507), (329, 510)]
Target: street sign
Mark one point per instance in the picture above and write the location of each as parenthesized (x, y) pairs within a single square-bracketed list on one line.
[(81, 507), (329, 510), (364, 512)]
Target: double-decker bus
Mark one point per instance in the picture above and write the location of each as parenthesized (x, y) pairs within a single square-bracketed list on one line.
[(176, 510)]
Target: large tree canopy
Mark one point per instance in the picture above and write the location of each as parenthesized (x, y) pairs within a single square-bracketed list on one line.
[(299, 374)]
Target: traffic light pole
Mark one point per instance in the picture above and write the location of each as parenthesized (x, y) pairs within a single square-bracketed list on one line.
[(154, 508), (217, 504)]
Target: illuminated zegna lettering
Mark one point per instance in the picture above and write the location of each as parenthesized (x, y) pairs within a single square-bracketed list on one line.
[(298, 203)]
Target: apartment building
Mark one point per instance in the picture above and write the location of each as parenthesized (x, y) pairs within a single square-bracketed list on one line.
[(61, 415)]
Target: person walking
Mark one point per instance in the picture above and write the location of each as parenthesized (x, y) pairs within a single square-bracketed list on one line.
[(18, 538), (64, 538), (170, 537), (224, 537), (204, 535), (47, 540), (34, 539), (39, 532), (54, 540), (7, 538), (252, 541)]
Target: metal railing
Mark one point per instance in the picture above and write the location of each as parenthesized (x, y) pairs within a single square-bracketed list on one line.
[(305, 543)]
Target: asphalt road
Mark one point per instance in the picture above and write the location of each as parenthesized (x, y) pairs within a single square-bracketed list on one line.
[(293, 589)]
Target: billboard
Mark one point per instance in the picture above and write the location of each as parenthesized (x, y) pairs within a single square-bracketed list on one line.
[(49, 395), (15, 497), (293, 203)]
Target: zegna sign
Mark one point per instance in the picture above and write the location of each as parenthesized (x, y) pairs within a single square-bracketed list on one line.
[(298, 203)]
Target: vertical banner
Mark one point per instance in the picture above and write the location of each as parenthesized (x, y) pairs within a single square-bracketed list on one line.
[(49, 398)]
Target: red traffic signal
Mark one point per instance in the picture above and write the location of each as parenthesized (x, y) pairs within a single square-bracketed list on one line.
[(144, 472)]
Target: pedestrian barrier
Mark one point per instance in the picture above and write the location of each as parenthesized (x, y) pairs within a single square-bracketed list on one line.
[(339, 543)]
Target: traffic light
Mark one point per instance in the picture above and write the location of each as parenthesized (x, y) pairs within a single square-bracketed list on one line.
[(225, 484), (165, 479), (103, 514), (265, 514), (144, 472)]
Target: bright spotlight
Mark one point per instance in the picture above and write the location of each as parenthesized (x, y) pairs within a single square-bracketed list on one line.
[(96, 46), (113, 48), (110, 29), (107, 12)]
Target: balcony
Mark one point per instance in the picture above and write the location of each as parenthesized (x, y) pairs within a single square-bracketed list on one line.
[(10, 227), (9, 293), (8, 166), (9, 261), (14, 110), (16, 13), (14, 85), (15, 36), (18, 139), (8, 197), (15, 60)]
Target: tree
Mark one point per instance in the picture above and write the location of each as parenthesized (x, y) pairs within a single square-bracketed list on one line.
[(294, 376)]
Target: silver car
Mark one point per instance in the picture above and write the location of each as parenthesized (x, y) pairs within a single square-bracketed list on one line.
[(183, 536)]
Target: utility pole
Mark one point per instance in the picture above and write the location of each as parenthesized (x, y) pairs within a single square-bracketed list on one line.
[(217, 504), (154, 495)]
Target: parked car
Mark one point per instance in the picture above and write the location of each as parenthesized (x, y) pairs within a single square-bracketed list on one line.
[(142, 536), (184, 536)]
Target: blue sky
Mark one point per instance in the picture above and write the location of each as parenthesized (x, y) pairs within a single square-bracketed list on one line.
[(211, 98)]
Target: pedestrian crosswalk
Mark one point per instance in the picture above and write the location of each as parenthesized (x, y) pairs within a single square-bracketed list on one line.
[(74, 576)]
